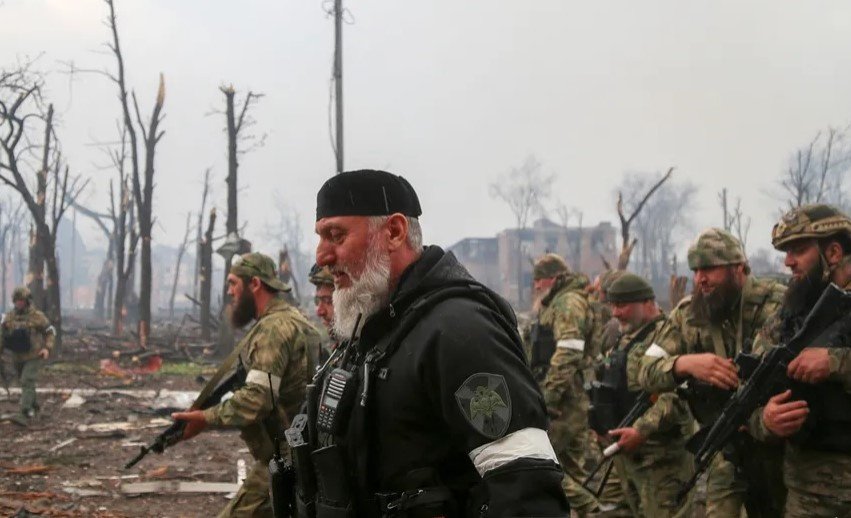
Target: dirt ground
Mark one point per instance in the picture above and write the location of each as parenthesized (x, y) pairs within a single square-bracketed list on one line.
[(43, 474)]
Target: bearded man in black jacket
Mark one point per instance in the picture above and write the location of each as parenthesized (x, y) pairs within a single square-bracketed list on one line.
[(429, 409)]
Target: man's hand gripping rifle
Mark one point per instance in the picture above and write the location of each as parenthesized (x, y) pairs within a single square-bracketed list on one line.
[(830, 314), (174, 433)]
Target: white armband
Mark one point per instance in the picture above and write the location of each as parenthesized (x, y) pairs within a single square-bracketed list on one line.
[(654, 351), (259, 377), (573, 344), (529, 443)]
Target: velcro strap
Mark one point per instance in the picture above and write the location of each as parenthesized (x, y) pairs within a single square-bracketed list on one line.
[(262, 378)]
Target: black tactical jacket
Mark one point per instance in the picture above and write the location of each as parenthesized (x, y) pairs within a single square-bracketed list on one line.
[(453, 406)]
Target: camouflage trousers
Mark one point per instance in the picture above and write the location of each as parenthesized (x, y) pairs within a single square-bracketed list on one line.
[(725, 492), (28, 374), (569, 435), (252, 500), (803, 504), (653, 479)]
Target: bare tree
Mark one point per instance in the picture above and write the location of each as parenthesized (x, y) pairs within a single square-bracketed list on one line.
[(524, 189), (235, 126), (29, 151), (627, 244), (11, 219), (206, 275), (199, 235), (734, 220), (180, 253), (287, 233), (816, 172), (662, 221)]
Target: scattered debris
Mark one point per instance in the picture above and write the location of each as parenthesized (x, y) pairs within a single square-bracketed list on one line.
[(122, 426), (34, 469), (160, 472), (82, 492), (62, 444), (75, 401), (110, 367), (174, 486)]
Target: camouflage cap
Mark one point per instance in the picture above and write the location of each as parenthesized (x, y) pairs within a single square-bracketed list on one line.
[(255, 264), (22, 293), (321, 276), (809, 221), (715, 247), (548, 266), (629, 287)]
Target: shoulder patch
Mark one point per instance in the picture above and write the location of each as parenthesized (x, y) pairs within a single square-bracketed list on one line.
[(485, 403)]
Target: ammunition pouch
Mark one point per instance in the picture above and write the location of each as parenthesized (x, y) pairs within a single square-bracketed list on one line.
[(610, 399), (828, 427), (543, 348), (704, 400), (17, 340), (334, 496)]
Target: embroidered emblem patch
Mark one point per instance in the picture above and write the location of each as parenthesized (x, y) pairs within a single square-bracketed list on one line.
[(485, 403)]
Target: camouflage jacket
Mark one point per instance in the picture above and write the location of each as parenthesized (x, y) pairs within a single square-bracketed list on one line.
[(277, 344), (568, 312), (819, 472), (668, 420), (685, 334), (42, 334)]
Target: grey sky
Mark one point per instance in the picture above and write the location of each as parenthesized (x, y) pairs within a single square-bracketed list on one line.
[(452, 94)]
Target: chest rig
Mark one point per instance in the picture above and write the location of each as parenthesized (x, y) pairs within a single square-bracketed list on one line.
[(330, 441)]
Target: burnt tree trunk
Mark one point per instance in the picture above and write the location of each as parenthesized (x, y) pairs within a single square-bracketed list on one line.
[(206, 276), (181, 251)]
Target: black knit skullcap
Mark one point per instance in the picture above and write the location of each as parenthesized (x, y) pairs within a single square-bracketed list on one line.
[(629, 288), (366, 193)]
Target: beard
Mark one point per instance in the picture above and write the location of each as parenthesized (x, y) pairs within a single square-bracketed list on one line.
[(717, 305), (243, 310), (368, 293), (803, 293)]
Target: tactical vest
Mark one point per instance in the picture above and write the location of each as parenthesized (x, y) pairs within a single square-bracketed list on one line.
[(342, 482), (17, 339), (828, 426), (611, 399), (543, 347)]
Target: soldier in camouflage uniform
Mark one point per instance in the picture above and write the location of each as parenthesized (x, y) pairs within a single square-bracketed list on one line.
[(817, 242), (567, 315), (698, 343), (274, 352), (320, 276), (654, 463), (28, 335)]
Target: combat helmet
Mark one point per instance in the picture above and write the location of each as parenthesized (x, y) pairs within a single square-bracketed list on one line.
[(715, 247), (809, 222), (321, 276), (22, 293)]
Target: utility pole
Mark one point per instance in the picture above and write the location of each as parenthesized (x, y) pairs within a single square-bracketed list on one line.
[(73, 260), (338, 79)]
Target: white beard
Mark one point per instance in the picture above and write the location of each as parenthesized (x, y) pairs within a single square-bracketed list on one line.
[(368, 293)]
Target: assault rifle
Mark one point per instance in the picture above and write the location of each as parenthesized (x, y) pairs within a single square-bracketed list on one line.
[(642, 405), (172, 435), (830, 316)]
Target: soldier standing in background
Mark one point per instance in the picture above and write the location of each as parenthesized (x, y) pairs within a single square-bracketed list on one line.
[(320, 276), (817, 462), (653, 463), (29, 336), (567, 323), (697, 344)]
